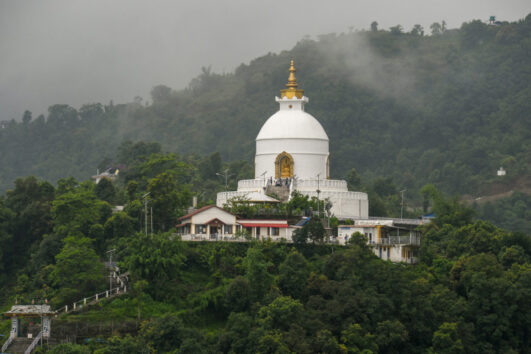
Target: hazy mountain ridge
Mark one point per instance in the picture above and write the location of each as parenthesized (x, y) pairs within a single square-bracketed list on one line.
[(447, 109)]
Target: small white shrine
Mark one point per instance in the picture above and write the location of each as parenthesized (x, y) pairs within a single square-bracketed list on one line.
[(18, 312), (292, 154)]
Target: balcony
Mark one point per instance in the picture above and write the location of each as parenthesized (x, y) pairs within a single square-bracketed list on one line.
[(413, 240)]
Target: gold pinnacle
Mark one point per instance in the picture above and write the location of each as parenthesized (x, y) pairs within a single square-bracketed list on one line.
[(291, 91)]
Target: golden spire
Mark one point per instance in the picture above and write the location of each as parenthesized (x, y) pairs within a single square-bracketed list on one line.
[(292, 85)]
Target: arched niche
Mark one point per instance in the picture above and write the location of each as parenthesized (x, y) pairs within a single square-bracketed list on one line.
[(284, 165)]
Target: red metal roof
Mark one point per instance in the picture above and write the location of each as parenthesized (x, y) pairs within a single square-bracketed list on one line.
[(263, 225)]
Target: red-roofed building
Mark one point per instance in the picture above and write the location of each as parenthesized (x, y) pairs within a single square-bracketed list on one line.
[(211, 223)]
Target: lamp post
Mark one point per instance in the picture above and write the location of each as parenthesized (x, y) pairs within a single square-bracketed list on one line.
[(226, 175), (263, 175), (402, 203)]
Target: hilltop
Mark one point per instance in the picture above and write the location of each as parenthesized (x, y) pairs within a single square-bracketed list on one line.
[(447, 109)]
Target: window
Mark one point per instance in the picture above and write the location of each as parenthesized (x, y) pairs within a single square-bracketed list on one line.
[(200, 229), (275, 231), (227, 229)]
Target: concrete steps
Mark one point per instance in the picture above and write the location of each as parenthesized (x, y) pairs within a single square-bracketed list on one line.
[(281, 192), (19, 345)]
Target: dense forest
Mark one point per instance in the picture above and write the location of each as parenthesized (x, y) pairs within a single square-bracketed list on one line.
[(436, 115), (447, 109), (470, 293)]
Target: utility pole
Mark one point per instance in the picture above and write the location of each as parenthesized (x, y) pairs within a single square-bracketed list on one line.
[(226, 174), (110, 266), (145, 210), (402, 203)]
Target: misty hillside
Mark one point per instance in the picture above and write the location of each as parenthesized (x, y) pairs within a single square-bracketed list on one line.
[(448, 109)]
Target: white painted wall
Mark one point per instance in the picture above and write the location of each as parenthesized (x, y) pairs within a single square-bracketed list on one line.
[(212, 213)]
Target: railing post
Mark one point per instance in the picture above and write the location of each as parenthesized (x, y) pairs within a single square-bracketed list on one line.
[(107, 293), (97, 297), (66, 308), (74, 305), (84, 301)]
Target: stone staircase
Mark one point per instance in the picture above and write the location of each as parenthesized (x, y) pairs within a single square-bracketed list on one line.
[(19, 345), (27, 345), (281, 192)]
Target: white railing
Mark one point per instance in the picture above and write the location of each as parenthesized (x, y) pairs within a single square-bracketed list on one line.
[(78, 305), (323, 184), (8, 341), (34, 343), (230, 238), (397, 240)]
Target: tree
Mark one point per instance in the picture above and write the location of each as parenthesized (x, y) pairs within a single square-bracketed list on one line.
[(327, 343), (167, 199), (105, 190), (358, 340), (312, 230), (119, 225), (6, 240), (164, 334), (353, 179), (238, 297), (272, 342), (396, 29), (130, 153), (417, 30), (293, 274), (160, 93), (436, 29), (155, 258), (390, 335), (281, 313), (78, 271), (30, 200), (374, 26), (77, 210), (26, 118), (446, 339), (257, 272)]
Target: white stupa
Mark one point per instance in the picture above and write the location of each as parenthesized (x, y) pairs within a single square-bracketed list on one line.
[(292, 154)]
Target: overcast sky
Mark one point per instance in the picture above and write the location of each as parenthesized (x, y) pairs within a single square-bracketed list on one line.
[(75, 52)]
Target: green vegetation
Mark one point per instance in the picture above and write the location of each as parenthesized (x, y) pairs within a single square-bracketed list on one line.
[(469, 293)]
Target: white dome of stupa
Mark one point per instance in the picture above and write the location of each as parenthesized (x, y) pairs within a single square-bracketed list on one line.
[(294, 136), (292, 154), (292, 123)]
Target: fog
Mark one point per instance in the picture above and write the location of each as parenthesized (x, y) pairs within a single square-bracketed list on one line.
[(77, 52)]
